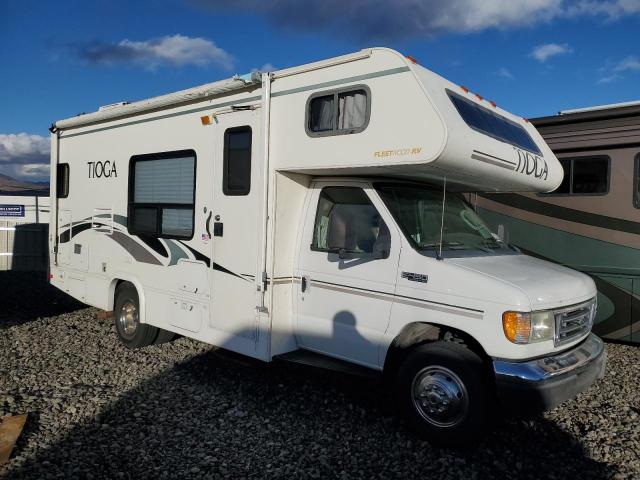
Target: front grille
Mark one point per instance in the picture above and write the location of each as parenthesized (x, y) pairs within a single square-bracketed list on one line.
[(574, 322)]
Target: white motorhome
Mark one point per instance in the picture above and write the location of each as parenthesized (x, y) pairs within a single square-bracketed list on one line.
[(314, 214)]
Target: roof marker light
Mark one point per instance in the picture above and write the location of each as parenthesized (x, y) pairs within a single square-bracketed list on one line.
[(525, 119), (411, 59), (493, 104), (464, 89), (479, 96)]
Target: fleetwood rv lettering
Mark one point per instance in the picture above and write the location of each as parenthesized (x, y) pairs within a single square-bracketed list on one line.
[(315, 214)]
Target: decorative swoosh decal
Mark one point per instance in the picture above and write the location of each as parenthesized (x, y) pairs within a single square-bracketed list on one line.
[(137, 251), (563, 213)]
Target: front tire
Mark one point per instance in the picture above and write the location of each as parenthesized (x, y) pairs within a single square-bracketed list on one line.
[(126, 315), (443, 392)]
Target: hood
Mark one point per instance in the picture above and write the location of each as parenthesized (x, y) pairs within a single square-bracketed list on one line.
[(547, 284)]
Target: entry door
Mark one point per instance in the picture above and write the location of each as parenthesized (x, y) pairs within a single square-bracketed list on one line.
[(348, 263), (233, 221)]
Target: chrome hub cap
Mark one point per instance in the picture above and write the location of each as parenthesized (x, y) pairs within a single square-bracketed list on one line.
[(439, 396), (128, 319)]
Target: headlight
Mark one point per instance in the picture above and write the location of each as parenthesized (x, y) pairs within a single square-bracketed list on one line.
[(528, 327)]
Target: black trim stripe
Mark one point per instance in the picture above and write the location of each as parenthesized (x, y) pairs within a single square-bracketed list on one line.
[(563, 213), (494, 157), (196, 254), (222, 269)]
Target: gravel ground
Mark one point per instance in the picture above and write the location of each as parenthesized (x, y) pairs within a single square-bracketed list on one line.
[(183, 409)]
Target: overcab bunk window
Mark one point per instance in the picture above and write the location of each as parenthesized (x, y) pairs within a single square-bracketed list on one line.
[(491, 124), (338, 112), (584, 176), (236, 174), (162, 194)]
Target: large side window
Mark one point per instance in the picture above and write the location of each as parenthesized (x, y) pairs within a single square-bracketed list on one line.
[(162, 194), (347, 220), (62, 180), (584, 176), (236, 175), (338, 112), (490, 123)]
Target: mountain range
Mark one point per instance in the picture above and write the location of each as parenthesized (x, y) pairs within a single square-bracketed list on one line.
[(11, 186)]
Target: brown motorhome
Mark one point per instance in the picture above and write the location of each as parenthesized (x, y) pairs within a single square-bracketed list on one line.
[(592, 221)]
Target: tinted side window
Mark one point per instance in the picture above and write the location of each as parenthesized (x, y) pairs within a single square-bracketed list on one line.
[(492, 124), (62, 180), (236, 175), (338, 112), (636, 183), (162, 194), (346, 219), (584, 176), (590, 175)]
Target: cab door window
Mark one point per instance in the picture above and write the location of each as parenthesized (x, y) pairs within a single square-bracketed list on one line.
[(348, 224)]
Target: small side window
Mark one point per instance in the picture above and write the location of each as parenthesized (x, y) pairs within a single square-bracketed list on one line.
[(236, 175), (338, 112), (62, 180), (584, 176), (347, 220)]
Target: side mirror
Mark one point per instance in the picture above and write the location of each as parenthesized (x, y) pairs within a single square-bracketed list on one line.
[(503, 233)]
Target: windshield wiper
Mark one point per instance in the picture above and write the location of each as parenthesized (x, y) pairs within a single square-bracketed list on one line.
[(451, 245)]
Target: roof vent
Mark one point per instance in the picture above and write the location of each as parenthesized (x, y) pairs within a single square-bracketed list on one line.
[(112, 105)]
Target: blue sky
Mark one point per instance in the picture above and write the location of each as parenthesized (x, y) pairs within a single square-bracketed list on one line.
[(533, 57)]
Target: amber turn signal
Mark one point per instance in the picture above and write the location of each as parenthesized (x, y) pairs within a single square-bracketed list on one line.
[(517, 326)]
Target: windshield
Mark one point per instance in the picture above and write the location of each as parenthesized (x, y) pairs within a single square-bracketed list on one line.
[(418, 211)]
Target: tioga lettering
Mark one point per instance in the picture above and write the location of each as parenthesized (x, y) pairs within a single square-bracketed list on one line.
[(531, 164), (105, 169)]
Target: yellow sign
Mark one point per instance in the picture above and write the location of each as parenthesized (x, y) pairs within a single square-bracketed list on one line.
[(398, 152)]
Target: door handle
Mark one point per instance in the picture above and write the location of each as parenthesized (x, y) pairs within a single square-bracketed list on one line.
[(209, 224), (303, 284)]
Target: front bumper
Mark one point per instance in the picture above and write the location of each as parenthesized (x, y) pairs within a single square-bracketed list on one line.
[(546, 382)]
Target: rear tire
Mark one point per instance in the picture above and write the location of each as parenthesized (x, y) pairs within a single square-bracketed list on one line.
[(126, 315), (443, 391)]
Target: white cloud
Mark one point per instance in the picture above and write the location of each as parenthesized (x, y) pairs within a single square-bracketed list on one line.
[(23, 149), (610, 10), (630, 63), (609, 78), (267, 67), (174, 50), (33, 170), (384, 20), (543, 52), (614, 72), (505, 73)]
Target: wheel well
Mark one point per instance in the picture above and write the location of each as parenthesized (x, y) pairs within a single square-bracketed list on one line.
[(115, 283), (416, 334)]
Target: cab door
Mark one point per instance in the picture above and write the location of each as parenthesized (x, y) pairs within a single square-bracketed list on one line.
[(347, 266)]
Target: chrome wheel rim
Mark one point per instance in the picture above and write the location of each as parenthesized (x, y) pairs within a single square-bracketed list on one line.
[(128, 319), (440, 397)]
